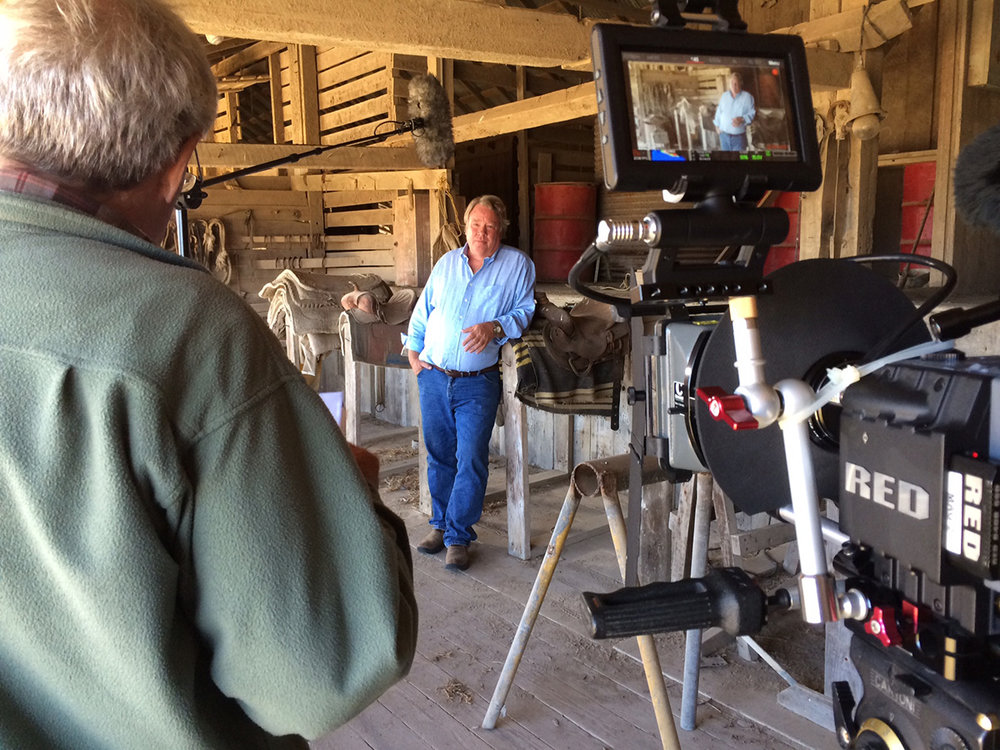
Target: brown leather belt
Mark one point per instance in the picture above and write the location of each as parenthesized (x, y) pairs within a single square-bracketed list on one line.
[(463, 374)]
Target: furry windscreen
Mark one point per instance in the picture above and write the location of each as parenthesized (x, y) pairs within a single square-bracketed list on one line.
[(977, 180), (433, 141)]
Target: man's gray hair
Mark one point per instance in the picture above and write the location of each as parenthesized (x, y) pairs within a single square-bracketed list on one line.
[(101, 92), (494, 204)]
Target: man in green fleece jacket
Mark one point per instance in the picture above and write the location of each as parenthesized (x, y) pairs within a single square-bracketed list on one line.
[(190, 556)]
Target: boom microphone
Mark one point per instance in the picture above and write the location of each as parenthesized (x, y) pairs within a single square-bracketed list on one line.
[(429, 109), (977, 180)]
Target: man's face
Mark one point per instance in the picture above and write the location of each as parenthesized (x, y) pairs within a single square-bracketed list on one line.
[(734, 85), (483, 231)]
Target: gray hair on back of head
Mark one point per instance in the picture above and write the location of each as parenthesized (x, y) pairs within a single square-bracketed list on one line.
[(493, 203), (100, 92)]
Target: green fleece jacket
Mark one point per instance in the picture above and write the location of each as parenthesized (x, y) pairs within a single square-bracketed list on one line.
[(189, 555)]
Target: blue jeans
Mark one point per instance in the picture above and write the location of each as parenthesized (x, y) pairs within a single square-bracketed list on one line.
[(730, 142), (458, 416)]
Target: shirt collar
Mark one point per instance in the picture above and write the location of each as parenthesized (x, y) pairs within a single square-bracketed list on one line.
[(24, 180), (490, 258)]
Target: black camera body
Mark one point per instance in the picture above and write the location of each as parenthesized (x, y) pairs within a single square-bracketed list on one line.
[(920, 500), (911, 454), (908, 705)]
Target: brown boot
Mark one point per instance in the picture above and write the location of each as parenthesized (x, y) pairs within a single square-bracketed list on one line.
[(432, 543), (457, 557)]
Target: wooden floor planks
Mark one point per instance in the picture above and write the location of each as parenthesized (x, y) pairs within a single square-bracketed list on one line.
[(570, 691)]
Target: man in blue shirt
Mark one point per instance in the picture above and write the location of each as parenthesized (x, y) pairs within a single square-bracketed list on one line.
[(476, 298), (734, 114)]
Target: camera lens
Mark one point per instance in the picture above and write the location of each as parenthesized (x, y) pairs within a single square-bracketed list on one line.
[(824, 425)]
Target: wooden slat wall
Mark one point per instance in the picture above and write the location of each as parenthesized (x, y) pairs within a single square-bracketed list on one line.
[(356, 89), (267, 228), (910, 122), (335, 232), (358, 227), (389, 394), (226, 128), (562, 153), (269, 224)]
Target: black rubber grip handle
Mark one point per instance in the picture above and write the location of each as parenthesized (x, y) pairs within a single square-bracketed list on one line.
[(726, 598)]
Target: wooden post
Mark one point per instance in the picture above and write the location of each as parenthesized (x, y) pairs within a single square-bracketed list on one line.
[(984, 50), (836, 220), (351, 419), (412, 237), (654, 542), (515, 435), (277, 98), (563, 442), (858, 212), (424, 502), (232, 131), (815, 208), (725, 515), (680, 548), (305, 96), (523, 174)]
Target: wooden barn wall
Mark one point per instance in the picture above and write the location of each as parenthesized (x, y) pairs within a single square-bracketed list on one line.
[(762, 17), (489, 167), (346, 232), (562, 153), (271, 228), (390, 394), (907, 90), (556, 153), (592, 437), (356, 90), (272, 222), (265, 229)]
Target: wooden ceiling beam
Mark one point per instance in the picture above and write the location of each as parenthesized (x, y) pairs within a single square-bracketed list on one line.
[(857, 28), (237, 62), (559, 106), (456, 29)]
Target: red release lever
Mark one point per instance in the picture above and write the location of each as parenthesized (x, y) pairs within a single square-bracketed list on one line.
[(727, 407), (882, 625)]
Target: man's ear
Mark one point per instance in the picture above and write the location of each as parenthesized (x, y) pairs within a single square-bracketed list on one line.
[(173, 176)]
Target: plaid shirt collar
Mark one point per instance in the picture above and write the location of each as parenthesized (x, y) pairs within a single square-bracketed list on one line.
[(23, 180)]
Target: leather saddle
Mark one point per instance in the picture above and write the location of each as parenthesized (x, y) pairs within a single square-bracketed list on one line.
[(584, 335)]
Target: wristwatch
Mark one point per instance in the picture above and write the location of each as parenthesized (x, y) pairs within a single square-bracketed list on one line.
[(498, 330)]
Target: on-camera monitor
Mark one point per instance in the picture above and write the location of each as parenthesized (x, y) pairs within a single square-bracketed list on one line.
[(703, 111)]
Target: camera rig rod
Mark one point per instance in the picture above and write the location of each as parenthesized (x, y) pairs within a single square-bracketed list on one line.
[(816, 586), (761, 405), (761, 399)]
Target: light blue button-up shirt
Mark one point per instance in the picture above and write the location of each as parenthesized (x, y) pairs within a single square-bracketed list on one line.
[(729, 107), (456, 298)]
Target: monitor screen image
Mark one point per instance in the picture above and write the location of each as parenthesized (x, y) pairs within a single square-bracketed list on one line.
[(708, 107), (694, 113)]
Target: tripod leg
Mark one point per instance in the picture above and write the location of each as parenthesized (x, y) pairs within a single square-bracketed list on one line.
[(647, 647), (699, 563), (534, 604)]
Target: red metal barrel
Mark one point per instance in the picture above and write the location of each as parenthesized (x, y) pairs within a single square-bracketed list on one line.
[(565, 224)]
